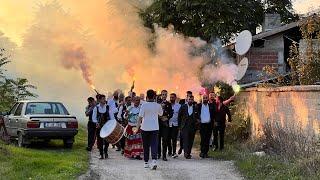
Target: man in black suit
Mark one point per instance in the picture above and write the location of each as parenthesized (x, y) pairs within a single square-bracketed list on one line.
[(220, 122), (206, 118), (213, 102), (182, 102), (91, 126), (164, 125), (187, 119)]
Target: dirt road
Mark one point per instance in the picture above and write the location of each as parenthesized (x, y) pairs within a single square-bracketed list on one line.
[(119, 167)]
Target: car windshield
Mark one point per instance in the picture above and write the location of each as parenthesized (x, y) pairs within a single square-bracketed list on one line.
[(46, 108)]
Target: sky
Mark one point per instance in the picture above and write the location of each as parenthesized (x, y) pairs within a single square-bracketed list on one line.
[(63, 47)]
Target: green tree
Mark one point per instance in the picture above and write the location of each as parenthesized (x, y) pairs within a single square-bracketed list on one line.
[(210, 19), (282, 7), (12, 90)]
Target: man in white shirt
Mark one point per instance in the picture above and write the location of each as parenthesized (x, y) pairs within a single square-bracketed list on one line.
[(100, 116), (148, 118), (113, 105), (173, 126), (206, 115), (142, 98)]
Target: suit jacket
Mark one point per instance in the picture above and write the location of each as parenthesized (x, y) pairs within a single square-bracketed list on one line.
[(182, 101), (211, 111), (167, 113), (185, 120), (220, 116)]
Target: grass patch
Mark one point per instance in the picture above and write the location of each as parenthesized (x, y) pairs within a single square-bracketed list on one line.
[(264, 167), (52, 161)]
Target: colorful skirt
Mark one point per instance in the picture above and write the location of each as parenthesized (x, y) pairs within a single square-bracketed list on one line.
[(133, 146)]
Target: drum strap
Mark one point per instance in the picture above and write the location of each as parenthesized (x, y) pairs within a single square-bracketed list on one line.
[(103, 117)]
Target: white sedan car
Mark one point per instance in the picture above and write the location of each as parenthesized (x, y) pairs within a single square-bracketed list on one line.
[(29, 120)]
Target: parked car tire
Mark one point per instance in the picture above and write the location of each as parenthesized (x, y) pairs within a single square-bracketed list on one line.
[(46, 141), (68, 143), (21, 140)]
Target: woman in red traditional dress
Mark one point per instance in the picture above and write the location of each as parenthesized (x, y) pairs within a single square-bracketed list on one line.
[(133, 146)]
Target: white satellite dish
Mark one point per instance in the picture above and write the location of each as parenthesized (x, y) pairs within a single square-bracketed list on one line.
[(242, 68), (243, 42)]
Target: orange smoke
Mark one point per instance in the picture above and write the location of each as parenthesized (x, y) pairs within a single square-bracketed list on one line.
[(104, 43), (75, 57)]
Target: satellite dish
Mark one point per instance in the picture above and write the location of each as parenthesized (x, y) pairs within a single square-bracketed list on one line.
[(243, 42), (242, 68)]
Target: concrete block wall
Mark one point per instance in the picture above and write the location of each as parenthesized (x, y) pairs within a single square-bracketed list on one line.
[(294, 105)]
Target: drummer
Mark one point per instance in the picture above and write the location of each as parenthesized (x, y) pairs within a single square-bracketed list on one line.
[(100, 116), (133, 145)]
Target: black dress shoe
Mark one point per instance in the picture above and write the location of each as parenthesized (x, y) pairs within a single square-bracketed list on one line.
[(106, 155), (188, 157), (164, 159), (101, 156), (201, 155), (159, 156), (205, 156), (180, 151), (118, 149)]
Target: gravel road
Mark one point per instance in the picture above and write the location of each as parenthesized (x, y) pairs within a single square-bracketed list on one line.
[(119, 167)]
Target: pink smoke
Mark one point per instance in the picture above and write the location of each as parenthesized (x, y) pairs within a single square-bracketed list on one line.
[(75, 57)]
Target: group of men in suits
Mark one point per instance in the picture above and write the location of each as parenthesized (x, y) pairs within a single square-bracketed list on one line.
[(187, 116)]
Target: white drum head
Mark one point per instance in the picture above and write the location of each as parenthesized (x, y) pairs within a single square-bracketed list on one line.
[(108, 128), (243, 42), (242, 68)]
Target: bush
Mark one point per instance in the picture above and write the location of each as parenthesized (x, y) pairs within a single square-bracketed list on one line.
[(239, 129), (289, 141), (309, 166)]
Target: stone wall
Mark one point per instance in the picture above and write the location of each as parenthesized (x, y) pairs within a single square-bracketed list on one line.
[(295, 105)]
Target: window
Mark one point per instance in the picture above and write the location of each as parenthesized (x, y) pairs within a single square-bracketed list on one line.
[(46, 108), (13, 109), (19, 110)]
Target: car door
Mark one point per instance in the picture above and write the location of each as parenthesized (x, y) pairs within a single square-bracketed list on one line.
[(15, 119), (7, 119)]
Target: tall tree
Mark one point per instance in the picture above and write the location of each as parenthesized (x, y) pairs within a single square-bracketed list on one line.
[(12, 90), (282, 7), (210, 19)]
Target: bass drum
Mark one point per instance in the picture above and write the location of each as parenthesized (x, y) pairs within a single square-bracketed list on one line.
[(112, 131)]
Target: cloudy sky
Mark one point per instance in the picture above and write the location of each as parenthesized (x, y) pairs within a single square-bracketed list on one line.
[(63, 46)]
